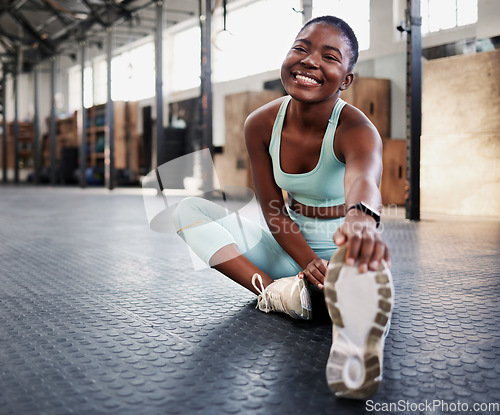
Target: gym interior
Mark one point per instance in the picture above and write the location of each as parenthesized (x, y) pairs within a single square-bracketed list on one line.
[(104, 309)]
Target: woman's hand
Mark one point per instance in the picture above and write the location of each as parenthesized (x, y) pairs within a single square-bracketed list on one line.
[(315, 272), (366, 244)]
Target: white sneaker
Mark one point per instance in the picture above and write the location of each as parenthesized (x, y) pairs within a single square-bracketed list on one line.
[(286, 295), (360, 307)]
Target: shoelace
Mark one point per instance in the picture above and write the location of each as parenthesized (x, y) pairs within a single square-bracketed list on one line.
[(271, 300), (261, 290)]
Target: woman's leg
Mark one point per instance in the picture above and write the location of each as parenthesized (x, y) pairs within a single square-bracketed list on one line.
[(232, 244), (239, 268)]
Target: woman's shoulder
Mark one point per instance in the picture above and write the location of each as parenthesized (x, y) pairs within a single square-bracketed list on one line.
[(262, 119), (355, 133), (352, 116), (353, 119)]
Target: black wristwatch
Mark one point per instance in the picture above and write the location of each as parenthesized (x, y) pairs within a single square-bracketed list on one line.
[(367, 210)]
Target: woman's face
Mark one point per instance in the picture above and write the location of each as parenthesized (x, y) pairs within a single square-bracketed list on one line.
[(316, 67)]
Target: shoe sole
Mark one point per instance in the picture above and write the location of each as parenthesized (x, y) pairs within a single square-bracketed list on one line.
[(360, 307)]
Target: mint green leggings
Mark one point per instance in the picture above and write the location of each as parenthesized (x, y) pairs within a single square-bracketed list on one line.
[(207, 227)]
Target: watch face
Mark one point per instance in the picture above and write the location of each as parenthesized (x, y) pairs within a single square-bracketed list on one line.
[(367, 210)]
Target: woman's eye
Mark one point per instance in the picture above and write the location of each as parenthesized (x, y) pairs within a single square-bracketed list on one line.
[(299, 48), (330, 58)]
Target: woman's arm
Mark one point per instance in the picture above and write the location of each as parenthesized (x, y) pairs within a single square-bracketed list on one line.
[(258, 129), (360, 147)]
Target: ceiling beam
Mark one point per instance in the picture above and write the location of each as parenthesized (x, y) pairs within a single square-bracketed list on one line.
[(95, 13), (50, 6), (40, 38), (45, 44)]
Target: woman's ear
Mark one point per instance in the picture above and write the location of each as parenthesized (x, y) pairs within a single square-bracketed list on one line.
[(347, 81)]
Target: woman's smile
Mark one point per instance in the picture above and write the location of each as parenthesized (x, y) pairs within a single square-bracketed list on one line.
[(306, 79)]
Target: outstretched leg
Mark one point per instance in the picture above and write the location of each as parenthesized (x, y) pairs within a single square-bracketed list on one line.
[(360, 306)]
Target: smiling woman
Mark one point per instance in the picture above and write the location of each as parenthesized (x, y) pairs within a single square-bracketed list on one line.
[(327, 155)]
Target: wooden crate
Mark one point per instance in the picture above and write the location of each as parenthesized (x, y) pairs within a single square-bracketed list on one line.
[(373, 97), (393, 184), (126, 138), (10, 152), (66, 136), (460, 145), (126, 141), (25, 144), (233, 165)]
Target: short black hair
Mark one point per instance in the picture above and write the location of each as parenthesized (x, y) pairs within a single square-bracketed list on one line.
[(345, 29)]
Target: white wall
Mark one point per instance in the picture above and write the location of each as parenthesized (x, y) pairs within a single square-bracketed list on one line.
[(488, 15)]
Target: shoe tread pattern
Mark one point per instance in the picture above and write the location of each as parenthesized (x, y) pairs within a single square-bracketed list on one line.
[(371, 361)]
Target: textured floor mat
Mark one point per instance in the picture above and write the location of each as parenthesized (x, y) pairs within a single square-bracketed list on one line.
[(100, 315)]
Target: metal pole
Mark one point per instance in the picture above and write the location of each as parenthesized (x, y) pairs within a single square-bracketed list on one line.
[(16, 118), (157, 141), (206, 83), (36, 127), (53, 177), (414, 108), (306, 10), (109, 150), (83, 123), (4, 124)]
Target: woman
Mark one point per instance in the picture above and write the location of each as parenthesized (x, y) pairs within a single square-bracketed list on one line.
[(327, 155)]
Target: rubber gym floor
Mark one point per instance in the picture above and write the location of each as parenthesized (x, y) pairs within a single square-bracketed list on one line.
[(101, 315)]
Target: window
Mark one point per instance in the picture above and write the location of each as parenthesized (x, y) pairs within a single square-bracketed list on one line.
[(75, 88), (262, 33), (186, 59), (446, 14), (88, 92), (249, 51), (132, 78), (100, 76), (253, 44), (133, 74), (355, 12)]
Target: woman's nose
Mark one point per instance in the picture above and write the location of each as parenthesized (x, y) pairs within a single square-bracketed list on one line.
[(310, 61)]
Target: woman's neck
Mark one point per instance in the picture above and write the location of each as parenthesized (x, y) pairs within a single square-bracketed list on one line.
[(308, 116)]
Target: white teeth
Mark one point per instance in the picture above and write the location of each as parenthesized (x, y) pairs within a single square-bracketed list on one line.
[(306, 79)]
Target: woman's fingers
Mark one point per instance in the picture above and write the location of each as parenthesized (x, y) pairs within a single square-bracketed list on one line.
[(366, 250), (339, 237), (315, 272), (366, 246)]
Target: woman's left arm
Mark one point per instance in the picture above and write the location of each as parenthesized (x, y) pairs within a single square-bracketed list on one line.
[(359, 145)]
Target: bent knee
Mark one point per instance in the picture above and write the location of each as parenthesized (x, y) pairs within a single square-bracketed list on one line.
[(189, 203), (184, 207), (191, 210)]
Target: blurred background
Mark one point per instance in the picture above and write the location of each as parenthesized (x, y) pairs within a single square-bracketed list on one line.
[(101, 92)]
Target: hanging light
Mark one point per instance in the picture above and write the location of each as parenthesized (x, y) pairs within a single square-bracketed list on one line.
[(223, 39), (130, 66)]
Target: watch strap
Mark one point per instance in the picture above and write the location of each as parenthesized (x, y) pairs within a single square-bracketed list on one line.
[(364, 208)]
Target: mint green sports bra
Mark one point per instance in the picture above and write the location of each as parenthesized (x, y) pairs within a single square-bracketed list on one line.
[(323, 185)]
